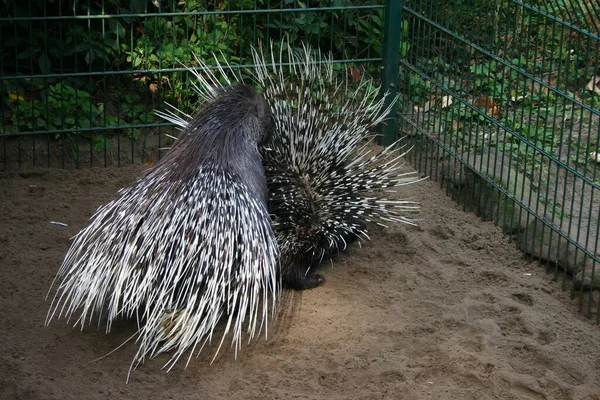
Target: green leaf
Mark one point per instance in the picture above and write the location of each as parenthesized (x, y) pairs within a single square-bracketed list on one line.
[(116, 27), (82, 47), (86, 123), (405, 28), (89, 57), (44, 63), (25, 53)]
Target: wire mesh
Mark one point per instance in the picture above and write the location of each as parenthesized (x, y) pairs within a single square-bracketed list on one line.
[(80, 79), (502, 99)]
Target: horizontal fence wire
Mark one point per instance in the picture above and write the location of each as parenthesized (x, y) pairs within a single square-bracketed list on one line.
[(80, 80), (501, 100)]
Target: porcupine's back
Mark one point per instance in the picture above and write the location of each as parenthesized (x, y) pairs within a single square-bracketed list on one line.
[(192, 235)]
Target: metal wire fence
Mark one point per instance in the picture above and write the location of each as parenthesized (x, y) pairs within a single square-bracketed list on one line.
[(80, 79), (502, 99)]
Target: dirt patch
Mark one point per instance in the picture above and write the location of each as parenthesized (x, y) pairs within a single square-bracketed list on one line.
[(446, 310)]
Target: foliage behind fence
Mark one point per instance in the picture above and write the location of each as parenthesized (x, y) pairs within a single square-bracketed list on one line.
[(80, 79)]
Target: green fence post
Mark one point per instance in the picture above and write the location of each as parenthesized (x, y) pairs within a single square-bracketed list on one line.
[(389, 68)]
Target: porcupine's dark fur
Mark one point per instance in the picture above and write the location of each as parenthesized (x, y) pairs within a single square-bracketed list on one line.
[(188, 244), (324, 182)]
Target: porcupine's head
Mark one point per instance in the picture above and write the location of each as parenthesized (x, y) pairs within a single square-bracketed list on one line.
[(240, 115), (243, 120)]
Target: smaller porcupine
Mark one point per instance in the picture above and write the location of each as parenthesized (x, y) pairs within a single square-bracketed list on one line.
[(325, 180), (188, 244)]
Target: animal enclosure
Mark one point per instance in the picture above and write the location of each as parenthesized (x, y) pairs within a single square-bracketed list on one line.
[(494, 295)]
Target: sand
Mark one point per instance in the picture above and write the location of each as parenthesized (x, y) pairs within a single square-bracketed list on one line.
[(446, 310)]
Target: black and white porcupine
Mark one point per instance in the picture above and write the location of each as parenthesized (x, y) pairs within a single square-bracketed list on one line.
[(325, 180), (187, 245)]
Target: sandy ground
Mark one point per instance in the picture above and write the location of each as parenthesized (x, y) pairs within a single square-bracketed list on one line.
[(447, 310)]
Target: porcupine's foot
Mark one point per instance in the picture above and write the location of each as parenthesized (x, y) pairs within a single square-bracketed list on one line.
[(297, 278), (311, 281), (296, 275)]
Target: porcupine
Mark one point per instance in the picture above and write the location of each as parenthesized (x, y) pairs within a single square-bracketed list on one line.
[(324, 179), (188, 244)]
